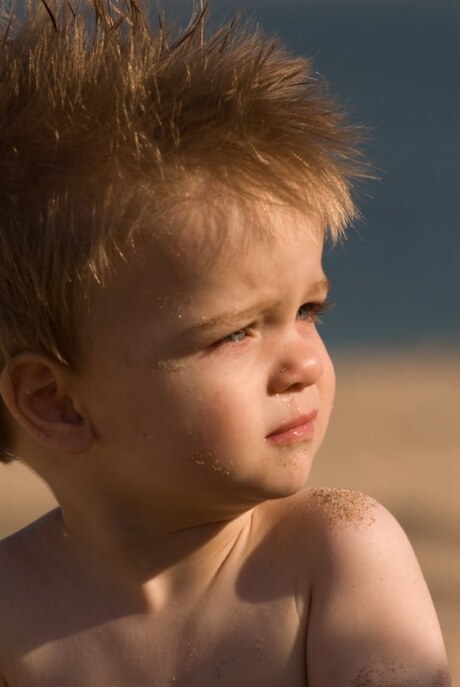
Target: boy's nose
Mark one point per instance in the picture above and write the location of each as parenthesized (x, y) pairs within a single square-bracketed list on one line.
[(299, 365)]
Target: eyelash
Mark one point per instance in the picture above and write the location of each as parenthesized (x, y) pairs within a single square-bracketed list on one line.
[(314, 310)]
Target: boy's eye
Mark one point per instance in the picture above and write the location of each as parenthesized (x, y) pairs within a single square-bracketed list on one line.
[(311, 311), (308, 312), (234, 337)]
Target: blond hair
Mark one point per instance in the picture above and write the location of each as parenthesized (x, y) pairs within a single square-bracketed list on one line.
[(103, 118)]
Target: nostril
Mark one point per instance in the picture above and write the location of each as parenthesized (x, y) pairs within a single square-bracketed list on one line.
[(302, 369)]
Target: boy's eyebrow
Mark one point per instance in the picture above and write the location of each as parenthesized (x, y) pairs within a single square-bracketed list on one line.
[(319, 287)]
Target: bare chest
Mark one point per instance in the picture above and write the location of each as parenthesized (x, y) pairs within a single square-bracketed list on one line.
[(246, 643)]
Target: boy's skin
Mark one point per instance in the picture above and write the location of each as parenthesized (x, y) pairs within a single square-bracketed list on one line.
[(186, 550)]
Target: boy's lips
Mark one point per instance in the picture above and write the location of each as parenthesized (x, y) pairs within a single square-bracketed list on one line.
[(289, 432)]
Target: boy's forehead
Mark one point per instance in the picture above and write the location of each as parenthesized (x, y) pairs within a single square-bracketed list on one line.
[(203, 237), (201, 232)]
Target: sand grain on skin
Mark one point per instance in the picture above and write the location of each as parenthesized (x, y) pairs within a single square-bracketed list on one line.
[(344, 506)]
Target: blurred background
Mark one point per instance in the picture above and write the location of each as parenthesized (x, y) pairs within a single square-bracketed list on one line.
[(395, 331)]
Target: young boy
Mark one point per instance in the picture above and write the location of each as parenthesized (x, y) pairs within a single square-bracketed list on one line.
[(162, 211)]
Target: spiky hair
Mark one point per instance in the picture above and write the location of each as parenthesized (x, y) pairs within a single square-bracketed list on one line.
[(103, 118)]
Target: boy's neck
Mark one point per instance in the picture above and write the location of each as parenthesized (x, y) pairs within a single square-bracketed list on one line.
[(161, 558)]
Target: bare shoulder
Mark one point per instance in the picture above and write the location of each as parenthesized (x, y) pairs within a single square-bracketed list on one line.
[(21, 573), (19, 551), (14, 566), (332, 510), (17, 567), (25, 557), (371, 620), (13, 563), (314, 519)]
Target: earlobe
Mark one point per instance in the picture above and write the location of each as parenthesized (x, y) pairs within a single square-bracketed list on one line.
[(37, 393)]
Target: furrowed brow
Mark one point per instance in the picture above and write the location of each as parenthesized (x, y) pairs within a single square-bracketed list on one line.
[(236, 316), (223, 319)]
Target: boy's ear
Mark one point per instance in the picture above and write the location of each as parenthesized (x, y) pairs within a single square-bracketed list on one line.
[(37, 392)]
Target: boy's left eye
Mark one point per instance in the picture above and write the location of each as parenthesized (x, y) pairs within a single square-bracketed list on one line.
[(308, 312), (311, 311)]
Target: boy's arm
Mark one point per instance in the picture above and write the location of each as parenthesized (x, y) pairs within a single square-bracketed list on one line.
[(372, 621)]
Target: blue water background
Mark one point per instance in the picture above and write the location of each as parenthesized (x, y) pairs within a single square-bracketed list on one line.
[(395, 65)]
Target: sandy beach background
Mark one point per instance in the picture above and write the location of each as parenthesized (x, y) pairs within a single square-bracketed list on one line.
[(395, 434)]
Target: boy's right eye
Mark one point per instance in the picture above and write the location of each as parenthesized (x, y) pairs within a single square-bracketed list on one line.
[(234, 337)]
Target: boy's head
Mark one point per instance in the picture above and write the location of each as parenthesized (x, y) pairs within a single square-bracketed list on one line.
[(110, 133)]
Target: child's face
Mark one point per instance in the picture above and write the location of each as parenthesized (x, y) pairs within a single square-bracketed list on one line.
[(205, 380)]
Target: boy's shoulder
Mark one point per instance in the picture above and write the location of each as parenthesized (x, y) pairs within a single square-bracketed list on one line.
[(340, 537), (17, 562), (23, 576), (28, 556), (329, 510), (19, 551), (314, 537), (368, 604), (335, 533), (318, 515), (333, 521)]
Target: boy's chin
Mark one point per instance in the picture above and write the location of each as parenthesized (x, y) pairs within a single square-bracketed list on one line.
[(284, 486)]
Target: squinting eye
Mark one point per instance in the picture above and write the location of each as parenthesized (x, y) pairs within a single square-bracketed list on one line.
[(304, 312), (234, 337), (312, 311)]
